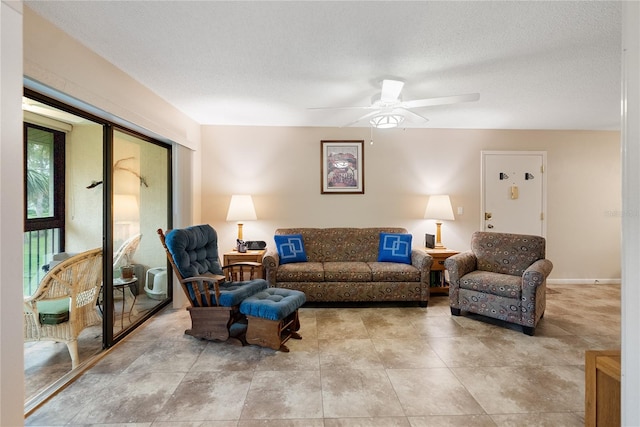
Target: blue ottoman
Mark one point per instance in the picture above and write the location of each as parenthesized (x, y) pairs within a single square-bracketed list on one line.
[(273, 317)]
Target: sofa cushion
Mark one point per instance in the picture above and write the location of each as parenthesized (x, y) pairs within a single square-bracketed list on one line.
[(393, 272), (301, 272), (507, 253), (498, 284), (395, 247), (273, 303), (347, 272), (290, 248)]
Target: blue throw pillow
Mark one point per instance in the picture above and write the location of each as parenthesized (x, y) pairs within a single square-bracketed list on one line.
[(290, 248), (395, 247)]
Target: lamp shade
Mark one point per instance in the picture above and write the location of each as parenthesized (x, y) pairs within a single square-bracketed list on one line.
[(241, 209), (439, 208), (125, 208)]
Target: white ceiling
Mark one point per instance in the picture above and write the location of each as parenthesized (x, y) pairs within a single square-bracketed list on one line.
[(536, 65)]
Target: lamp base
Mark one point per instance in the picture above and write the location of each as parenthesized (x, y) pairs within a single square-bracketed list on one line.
[(438, 244)]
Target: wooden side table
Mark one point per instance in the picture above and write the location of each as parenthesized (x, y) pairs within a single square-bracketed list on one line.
[(249, 256), (602, 388), (438, 284)]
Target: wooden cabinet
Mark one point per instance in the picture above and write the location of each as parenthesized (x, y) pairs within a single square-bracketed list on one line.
[(438, 284), (602, 388), (249, 256)]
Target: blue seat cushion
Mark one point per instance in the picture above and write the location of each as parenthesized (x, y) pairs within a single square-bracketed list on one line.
[(231, 293), (273, 303)]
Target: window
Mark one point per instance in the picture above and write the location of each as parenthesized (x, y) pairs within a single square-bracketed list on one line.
[(44, 176)]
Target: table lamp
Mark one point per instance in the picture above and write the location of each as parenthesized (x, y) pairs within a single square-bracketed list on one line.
[(439, 209), (241, 209)]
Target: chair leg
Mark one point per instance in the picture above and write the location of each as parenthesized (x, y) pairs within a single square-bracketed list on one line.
[(455, 311), (73, 352), (528, 330), (214, 323), (273, 333)]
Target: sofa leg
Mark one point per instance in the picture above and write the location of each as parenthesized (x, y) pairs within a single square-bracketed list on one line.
[(455, 311), (423, 304), (528, 330)]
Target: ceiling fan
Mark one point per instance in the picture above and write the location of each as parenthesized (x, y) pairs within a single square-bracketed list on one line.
[(389, 110)]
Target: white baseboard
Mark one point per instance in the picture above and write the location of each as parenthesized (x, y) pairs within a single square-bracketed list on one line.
[(584, 281)]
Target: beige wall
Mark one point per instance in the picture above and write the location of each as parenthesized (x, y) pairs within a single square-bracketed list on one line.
[(84, 206), (280, 167), (54, 59)]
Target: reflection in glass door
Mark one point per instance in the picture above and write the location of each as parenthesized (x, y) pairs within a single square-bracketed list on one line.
[(140, 206)]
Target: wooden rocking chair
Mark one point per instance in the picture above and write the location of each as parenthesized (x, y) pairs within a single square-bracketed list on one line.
[(214, 291)]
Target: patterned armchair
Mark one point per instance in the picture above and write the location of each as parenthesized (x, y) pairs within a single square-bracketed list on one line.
[(503, 276)]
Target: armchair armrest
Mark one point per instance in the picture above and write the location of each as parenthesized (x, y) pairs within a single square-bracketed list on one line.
[(458, 265), (236, 272), (270, 262), (535, 275), (422, 261), (197, 288)]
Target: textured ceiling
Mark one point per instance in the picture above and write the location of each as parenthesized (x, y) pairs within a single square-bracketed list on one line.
[(536, 65)]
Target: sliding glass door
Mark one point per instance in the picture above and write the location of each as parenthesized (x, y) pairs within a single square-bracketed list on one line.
[(140, 171), (90, 184)]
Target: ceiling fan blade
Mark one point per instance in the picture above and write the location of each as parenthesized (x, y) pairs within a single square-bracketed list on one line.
[(443, 100), (366, 116), (413, 113), (391, 90), (340, 108)]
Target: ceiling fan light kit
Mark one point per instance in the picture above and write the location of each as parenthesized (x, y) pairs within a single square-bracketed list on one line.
[(386, 121)]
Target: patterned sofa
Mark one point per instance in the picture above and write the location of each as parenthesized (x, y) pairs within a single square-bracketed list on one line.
[(341, 265), (503, 276)]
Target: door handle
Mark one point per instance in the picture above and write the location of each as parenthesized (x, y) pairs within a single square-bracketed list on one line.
[(490, 226)]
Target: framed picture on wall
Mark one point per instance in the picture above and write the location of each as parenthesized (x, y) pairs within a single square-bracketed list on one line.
[(342, 167)]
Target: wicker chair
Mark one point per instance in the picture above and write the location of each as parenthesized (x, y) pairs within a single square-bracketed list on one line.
[(125, 252), (65, 302)]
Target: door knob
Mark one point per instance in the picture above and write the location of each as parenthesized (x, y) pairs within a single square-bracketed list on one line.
[(490, 226), (487, 216)]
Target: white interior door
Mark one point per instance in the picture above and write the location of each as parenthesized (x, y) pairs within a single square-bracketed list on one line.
[(514, 192)]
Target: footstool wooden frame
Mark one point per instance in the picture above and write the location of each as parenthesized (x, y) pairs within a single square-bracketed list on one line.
[(273, 317)]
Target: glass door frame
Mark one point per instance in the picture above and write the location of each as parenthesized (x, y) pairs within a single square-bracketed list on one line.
[(109, 127), (109, 338)]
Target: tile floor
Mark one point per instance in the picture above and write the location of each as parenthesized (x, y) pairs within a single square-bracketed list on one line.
[(45, 362), (376, 366)]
